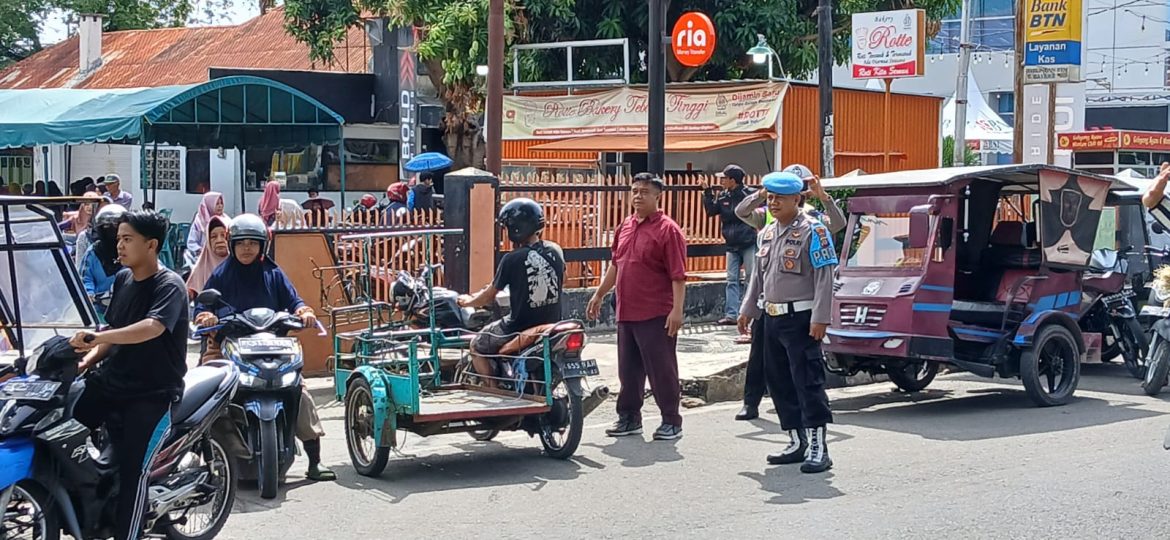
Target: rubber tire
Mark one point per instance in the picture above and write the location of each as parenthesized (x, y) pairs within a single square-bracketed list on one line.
[(381, 455), (1131, 329), (1030, 367), (484, 435), (576, 424), (48, 508), (229, 500), (910, 382), (1158, 368), (269, 474)]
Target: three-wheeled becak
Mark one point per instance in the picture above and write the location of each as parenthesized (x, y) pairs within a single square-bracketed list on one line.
[(978, 267)]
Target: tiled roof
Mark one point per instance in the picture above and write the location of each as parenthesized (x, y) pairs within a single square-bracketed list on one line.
[(167, 56)]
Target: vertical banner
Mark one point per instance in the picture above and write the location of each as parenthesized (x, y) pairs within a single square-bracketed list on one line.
[(1052, 41), (1036, 122), (407, 98)]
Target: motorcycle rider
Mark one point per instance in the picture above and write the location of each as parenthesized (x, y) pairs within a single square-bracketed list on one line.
[(246, 280), (144, 354), (532, 272), (100, 263)]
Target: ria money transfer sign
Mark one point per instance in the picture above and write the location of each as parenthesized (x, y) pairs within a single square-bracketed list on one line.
[(1052, 40)]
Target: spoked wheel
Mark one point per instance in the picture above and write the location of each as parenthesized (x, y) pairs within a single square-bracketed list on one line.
[(1158, 368), (1051, 369), (484, 435), (205, 521), (30, 515), (560, 428), (913, 376), (368, 459)]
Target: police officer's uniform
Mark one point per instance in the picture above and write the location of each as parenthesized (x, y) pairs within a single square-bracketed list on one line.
[(794, 275)]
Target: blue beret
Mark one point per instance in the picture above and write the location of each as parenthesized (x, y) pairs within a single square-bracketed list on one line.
[(783, 183)]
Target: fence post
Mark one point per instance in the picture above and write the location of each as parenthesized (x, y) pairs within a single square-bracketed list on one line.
[(469, 203)]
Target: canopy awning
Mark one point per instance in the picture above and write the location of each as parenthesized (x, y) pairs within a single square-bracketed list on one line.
[(675, 142), (223, 113)]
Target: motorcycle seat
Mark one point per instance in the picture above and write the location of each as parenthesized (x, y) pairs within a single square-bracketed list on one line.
[(199, 385), (531, 336)]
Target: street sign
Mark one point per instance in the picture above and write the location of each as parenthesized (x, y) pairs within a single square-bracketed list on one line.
[(1037, 124), (889, 44), (693, 39), (1052, 40)]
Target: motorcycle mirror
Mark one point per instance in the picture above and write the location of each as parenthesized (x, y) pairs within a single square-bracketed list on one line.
[(210, 297)]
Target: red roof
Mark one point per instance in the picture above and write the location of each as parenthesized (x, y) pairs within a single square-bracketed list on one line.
[(168, 56)]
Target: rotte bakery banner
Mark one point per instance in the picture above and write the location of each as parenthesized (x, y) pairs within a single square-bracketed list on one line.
[(623, 111)]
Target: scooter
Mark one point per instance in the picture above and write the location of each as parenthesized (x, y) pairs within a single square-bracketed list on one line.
[(54, 478), (1111, 311), (270, 364)]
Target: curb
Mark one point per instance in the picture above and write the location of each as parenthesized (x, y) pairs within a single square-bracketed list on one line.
[(727, 385)]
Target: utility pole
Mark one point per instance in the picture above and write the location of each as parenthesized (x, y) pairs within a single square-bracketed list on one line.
[(656, 63), (960, 148), (1018, 115), (825, 72), (495, 86)]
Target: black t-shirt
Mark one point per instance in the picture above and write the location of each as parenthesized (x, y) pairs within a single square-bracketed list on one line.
[(533, 277), (155, 367)]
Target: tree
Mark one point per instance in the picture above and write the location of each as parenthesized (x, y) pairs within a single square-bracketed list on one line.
[(21, 21), (948, 152), (454, 39)]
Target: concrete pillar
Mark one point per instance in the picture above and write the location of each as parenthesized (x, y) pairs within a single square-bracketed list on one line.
[(469, 203)]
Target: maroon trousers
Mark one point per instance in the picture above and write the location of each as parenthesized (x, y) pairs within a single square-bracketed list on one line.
[(645, 351)]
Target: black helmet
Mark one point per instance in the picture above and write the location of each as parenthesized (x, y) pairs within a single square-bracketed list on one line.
[(105, 223), (522, 217), (249, 227)]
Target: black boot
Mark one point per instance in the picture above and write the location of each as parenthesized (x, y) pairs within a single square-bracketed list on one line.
[(818, 452), (795, 452), (316, 471), (748, 412)]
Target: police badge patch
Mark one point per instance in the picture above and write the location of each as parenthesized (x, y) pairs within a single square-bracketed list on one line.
[(820, 247)]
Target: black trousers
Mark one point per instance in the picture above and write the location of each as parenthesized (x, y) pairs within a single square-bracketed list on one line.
[(798, 387), (137, 435), (761, 376)]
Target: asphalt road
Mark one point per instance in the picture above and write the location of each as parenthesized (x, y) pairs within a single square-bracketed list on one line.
[(967, 458)]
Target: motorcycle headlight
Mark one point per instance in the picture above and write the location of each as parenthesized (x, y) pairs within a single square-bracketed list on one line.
[(288, 378), (249, 380)]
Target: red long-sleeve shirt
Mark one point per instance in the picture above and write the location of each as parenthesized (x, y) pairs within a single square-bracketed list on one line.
[(650, 256)]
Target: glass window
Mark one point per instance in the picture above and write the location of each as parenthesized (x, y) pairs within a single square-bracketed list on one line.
[(1094, 158), (1134, 158), (882, 241)]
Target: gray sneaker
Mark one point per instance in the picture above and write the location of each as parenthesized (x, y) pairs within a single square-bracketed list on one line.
[(667, 432), (624, 427)]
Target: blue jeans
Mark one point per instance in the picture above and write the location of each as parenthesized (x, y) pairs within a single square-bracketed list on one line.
[(742, 258)]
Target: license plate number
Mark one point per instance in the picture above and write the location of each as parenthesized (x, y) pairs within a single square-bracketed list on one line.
[(253, 345), (1155, 311), (578, 368), (31, 390)]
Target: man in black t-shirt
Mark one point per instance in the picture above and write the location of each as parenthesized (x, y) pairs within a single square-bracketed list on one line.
[(143, 360), (532, 273)]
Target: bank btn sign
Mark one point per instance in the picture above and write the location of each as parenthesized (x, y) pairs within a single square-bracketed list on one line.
[(1052, 37)]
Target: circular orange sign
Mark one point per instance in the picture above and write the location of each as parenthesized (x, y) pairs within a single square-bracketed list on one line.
[(693, 39)]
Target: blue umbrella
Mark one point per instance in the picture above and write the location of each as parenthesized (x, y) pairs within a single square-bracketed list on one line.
[(428, 162)]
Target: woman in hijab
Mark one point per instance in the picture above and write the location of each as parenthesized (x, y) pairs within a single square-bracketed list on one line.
[(211, 206), (54, 190), (214, 252), (270, 202)]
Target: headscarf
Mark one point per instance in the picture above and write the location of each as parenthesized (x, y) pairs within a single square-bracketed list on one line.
[(54, 190), (85, 212), (208, 260), (270, 202), (206, 211)]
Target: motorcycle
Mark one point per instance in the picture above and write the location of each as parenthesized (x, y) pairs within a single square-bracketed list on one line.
[(410, 294), (54, 478), (1111, 311), (270, 365)]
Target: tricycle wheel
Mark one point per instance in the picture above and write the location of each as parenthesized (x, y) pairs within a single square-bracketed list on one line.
[(484, 435), (913, 376), (368, 458), (1158, 368), (1051, 368), (560, 438)]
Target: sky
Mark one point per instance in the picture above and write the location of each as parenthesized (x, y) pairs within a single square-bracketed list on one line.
[(55, 29)]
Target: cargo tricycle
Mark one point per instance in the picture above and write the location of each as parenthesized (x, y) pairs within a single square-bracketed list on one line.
[(976, 267), (395, 377)]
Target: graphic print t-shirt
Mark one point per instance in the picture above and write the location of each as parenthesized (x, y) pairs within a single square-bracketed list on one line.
[(533, 277)]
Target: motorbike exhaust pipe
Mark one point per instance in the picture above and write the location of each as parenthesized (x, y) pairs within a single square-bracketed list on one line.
[(594, 399)]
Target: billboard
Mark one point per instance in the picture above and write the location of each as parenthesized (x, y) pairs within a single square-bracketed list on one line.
[(889, 44), (1052, 40)]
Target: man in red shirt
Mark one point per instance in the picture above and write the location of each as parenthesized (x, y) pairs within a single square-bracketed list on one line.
[(649, 269)]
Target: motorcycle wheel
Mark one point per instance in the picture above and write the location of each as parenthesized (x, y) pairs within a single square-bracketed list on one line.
[(269, 460), (1133, 347), (223, 468), (367, 457), (1157, 368), (30, 515), (562, 442), (484, 435)]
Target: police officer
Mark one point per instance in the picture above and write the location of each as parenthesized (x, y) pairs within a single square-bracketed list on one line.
[(794, 272)]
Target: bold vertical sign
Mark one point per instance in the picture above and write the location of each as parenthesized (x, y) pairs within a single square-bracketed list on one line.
[(407, 97), (1052, 40)]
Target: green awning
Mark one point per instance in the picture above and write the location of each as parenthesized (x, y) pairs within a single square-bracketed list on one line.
[(222, 113)]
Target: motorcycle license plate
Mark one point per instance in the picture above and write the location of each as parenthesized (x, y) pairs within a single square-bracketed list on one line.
[(30, 390), (262, 345), (579, 368), (1155, 311)]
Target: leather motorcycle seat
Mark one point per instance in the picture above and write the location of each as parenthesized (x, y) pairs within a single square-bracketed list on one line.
[(199, 385), (531, 336)]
